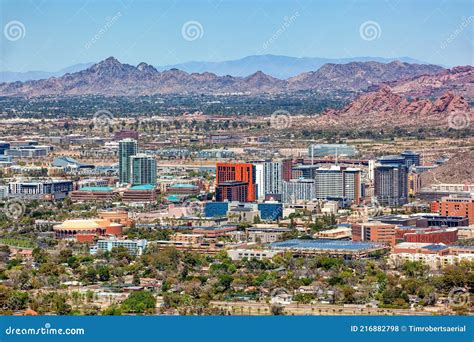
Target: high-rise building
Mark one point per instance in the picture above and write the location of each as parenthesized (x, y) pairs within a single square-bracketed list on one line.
[(391, 184), (298, 190), (232, 191), (241, 172), (411, 158), (287, 166), (4, 146), (338, 182), (127, 148), (143, 169), (268, 177)]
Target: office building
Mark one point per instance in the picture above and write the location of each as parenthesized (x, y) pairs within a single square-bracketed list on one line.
[(50, 189), (127, 148), (375, 232), (411, 158), (143, 169), (391, 184), (299, 190), (455, 205), (323, 150), (268, 177), (338, 182), (238, 172), (287, 166), (4, 146), (232, 191), (134, 247)]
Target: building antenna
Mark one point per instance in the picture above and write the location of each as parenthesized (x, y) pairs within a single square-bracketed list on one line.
[(312, 154), (336, 156)]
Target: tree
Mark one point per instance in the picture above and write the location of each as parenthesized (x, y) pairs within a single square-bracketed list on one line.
[(103, 273), (139, 302)]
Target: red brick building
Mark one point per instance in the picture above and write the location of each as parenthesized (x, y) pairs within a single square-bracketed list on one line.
[(374, 231), (455, 206)]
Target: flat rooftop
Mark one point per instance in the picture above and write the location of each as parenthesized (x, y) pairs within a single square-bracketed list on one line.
[(324, 244)]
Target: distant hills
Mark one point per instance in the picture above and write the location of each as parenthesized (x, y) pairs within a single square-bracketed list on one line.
[(281, 67), (112, 78), (13, 76)]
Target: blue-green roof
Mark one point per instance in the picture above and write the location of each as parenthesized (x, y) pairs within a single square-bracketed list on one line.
[(143, 187), (183, 186), (96, 188), (174, 198)]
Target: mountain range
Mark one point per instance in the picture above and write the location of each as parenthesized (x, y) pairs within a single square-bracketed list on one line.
[(112, 78), (281, 67)]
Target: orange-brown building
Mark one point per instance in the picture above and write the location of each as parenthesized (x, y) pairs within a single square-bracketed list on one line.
[(116, 217), (455, 206), (374, 231), (87, 230), (242, 172)]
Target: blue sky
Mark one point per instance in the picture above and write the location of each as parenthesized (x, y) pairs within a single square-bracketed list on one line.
[(56, 34)]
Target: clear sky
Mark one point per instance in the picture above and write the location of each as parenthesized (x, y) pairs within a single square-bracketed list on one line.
[(53, 34)]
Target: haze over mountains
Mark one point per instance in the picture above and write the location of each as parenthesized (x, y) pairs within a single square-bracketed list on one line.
[(277, 66), (112, 78)]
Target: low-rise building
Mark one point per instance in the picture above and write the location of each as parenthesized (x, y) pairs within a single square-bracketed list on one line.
[(135, 247), (239, 254)]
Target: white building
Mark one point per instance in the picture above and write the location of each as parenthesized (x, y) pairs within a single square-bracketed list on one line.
[(268, 177)]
